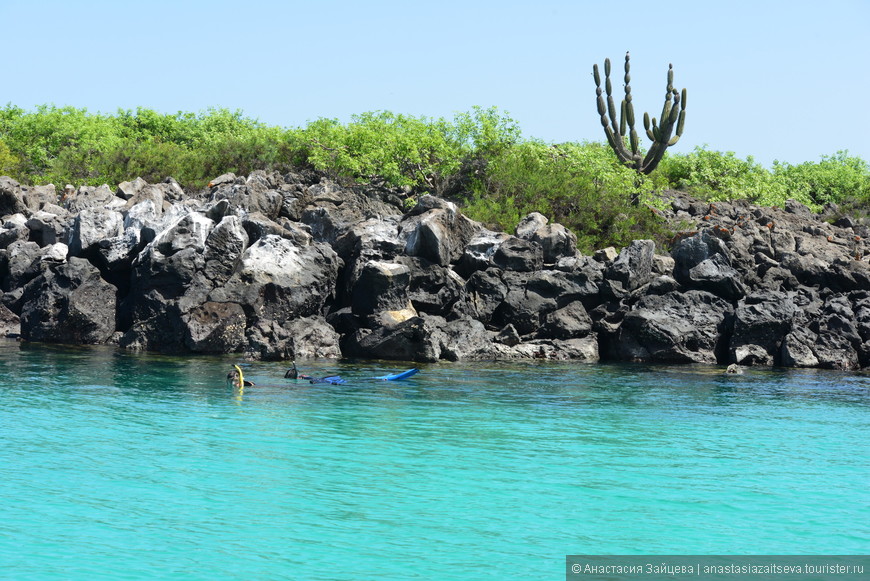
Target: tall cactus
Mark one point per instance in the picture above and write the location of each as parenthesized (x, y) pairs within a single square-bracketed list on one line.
[(673, 116)]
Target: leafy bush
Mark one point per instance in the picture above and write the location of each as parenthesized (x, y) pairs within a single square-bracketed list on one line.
[(835, 179), (581, 186), (401, 150), (9, 163), (715, 176), (718, 176)]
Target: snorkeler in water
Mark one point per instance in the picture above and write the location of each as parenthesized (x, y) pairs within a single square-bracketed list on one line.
[(237, 379), (293, 373)]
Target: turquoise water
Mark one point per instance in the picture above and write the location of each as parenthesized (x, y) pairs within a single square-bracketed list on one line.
[(123, 466)]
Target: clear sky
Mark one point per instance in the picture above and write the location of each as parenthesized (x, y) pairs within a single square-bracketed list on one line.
[(786, 80)]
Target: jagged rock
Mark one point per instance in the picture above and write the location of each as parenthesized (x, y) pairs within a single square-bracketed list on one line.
[(11, 197), (312, 337), (564, 287), (188, 232), (92, 197), (484, 292), (46, 228), (68, 303), (633, 267), (571, 321), (433, 289), (519, 255), (91, 226), (223, 247), (412, 340), (251, 199), (127, 190), (794, 207), (14, 229), (530, 224), (663, 265), (761, 322), (523, 308), (438, 235), (20, 264), (478, 253), (380, 286), (215, 328), (508, 336), (10, 323), (797, 348), (691, 251), (257, 225), (703, 261), (675, 328), (38, 198), (464, 339), (663, 285), (279, 281)]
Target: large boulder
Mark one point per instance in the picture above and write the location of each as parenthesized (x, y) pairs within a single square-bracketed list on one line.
[(438, 235), (484, 292), (93, 225), (223, 247), (519, 255), (703, 262), (569, 322), (555, 240), (14, 229), (276, 280), (91, 197), (48, 227), (304, 338), (380, 286), (432, 288), (761, 322), (20, 264), (634, 266), (479, 252), (465, 339), (215, 328), (69, 303), (11, 197), (676, 328), (415, 339)]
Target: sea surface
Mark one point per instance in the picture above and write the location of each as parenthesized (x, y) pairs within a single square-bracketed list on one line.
[(131, 466)]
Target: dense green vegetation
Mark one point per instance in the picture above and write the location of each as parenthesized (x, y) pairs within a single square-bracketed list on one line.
[(478, 158)]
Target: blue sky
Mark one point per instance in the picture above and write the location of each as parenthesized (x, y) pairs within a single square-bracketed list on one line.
[(786, 80)]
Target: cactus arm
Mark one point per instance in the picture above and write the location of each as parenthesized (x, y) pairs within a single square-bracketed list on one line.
[(613, 124)]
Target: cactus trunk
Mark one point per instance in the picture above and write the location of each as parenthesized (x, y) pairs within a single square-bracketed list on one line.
[(618, 127)]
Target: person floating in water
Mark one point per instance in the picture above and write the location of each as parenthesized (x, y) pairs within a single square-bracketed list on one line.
[(237, 379), (293, 373)]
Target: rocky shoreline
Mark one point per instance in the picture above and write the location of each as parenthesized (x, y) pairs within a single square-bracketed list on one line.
[(296, 266)]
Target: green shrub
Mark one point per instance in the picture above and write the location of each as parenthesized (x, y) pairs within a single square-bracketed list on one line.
[(401, 150), (717, 176), (9, 162), (835, 179), (581, 186)]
